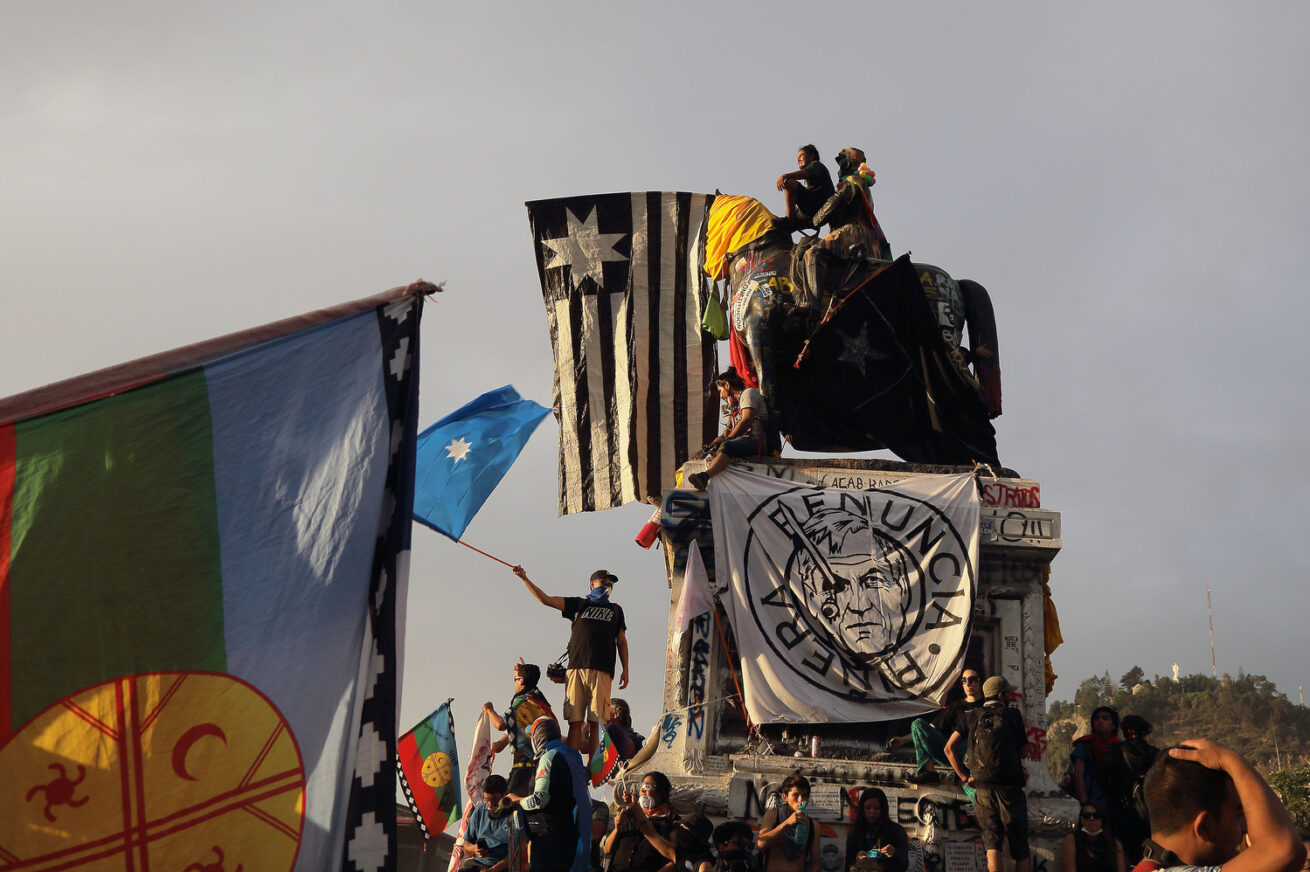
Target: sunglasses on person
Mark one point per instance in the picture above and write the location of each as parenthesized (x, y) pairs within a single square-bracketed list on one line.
[(1091, 815), (969, 679)]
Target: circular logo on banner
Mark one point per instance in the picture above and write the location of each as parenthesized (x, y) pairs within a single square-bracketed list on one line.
[(859, 593), (436, 769)]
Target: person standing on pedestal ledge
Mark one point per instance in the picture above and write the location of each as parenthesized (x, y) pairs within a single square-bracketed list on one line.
[(598, 631)]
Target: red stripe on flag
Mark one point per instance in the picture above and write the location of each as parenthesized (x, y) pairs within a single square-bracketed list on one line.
[(8, 460)]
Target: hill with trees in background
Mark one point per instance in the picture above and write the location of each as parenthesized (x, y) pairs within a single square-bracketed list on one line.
[(1246, 713)]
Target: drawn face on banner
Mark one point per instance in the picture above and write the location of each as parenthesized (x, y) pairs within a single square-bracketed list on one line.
[(856, 583), (863, 595)]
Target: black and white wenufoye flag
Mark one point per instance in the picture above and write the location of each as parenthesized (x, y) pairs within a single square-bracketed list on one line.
[(846, 605), (624, 294)]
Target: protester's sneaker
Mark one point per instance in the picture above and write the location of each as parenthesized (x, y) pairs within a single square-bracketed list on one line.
[(699, 480)]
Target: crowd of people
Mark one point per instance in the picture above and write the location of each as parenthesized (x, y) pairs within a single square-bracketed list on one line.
[(1196, 806)]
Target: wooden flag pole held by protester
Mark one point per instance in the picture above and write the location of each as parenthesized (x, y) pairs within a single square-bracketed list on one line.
[(485, 554)]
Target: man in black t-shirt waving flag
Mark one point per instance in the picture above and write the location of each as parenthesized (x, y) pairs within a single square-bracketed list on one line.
[(598, 630)]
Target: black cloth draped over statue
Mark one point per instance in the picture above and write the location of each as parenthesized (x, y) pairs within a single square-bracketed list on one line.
[(877, 374)]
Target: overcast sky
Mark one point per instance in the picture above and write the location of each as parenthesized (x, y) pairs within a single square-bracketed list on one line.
[(1128, 180)]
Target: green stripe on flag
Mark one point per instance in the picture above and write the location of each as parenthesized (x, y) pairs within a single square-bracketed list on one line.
[(115, 563)]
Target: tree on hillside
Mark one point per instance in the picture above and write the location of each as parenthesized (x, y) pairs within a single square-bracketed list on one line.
[(1132, 678), (1293, 787)]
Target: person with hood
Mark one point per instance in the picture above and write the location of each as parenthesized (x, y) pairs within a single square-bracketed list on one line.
[(854, 232), (875, 838), (598, 631), (558, 810)]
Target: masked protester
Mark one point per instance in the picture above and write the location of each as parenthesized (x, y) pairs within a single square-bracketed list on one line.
[(559, 809), (644, 836)]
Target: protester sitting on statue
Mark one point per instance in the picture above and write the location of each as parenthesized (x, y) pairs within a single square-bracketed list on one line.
[(598, 630), (1124, 772), (618, 724), (876, 842), (559, 829), (929, 733), (1202, 800), (995, 737), (746, 435), (1091, 753), (1091, 847), (807, 188), (787, 838), (643, 835), (855, 233), (486, 840), (526, 706)]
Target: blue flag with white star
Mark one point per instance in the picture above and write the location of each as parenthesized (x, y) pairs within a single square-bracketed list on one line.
[(462, 457)]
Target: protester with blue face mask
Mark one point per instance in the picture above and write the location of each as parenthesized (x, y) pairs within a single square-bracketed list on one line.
[(598, 631)]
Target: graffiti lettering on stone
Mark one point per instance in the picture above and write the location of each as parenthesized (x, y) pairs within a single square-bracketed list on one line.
[(1036, 743), (999, 493), (669, 728), (696, 680)]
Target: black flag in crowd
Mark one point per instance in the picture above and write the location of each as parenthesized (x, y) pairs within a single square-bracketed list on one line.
[(624, 294), (877, 374)]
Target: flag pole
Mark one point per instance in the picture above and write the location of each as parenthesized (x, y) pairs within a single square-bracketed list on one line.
[(485, 554), (727, 655)]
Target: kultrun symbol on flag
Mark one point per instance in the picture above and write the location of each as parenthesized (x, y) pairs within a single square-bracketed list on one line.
[(154, 771), (436, 769)]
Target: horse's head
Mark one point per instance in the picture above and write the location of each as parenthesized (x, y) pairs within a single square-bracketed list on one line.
[(734, 221)]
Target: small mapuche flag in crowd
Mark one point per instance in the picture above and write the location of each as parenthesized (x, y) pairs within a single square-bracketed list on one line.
[(198, 550), (429, 771), (624, 293), (462, 457), (604, 758)]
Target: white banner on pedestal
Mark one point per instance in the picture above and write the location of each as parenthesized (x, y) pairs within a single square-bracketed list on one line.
[(847, 605)]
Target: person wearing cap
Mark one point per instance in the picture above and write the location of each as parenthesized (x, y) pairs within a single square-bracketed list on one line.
[(1001, 803), (598, 632)]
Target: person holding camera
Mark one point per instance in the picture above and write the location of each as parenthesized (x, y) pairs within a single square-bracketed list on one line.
[(486, 840), (598, 631), (525, 707)]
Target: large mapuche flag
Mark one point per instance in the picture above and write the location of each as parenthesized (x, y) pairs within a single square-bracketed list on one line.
[(847, 605), (203, 560), (624, 294)]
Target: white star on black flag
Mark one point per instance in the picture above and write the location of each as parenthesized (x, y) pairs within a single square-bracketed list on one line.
[(621, 278)]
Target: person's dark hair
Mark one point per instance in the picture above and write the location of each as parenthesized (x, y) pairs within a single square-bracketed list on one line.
[(1137, 725), (530, 673), (731, 378), (625, 713), (606, 576), (810, 151), (1114, 716), (730, 830), (1176, 790), (495, 784), (663, 789), (861, 826), (795, 781)]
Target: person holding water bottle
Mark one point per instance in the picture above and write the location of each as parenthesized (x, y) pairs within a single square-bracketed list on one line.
[(788, 840)]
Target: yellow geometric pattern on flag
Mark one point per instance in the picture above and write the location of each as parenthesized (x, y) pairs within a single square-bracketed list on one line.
[(154, 771), (436, 769), (528, 711)]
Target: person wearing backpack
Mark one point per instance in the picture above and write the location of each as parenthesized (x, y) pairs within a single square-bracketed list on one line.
[(995, 736), (1125, 771)]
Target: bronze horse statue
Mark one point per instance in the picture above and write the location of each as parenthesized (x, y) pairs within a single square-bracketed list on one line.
[(773, 313)]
